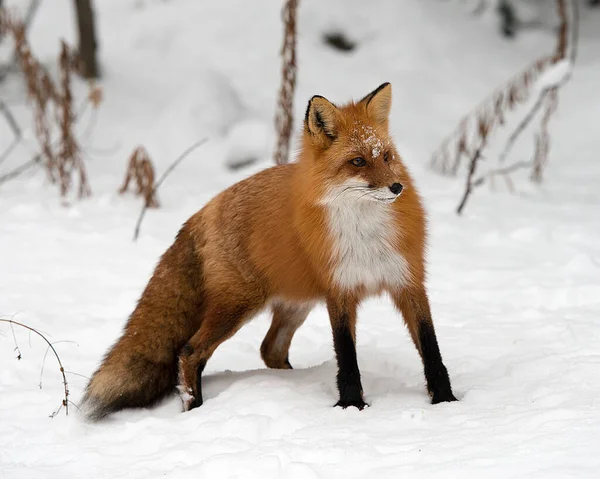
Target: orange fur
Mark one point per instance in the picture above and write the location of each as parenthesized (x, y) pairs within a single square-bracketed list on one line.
[(268, 240)]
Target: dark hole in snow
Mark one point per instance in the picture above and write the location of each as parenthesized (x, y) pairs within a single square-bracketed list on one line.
[(339, 41)]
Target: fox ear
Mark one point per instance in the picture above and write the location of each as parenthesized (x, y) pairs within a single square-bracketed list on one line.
[(321, 119), (379, 102)]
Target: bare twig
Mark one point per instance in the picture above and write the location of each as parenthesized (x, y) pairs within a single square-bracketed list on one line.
[(469, 186), (21, 169), (491, 114), (17, 349), (550, 94), (10, 119), (284, 115), (65, 401), (46, 354), (505, 171), (465, 138), (171, 167), (542, 143), (29, 15), (37, 159), (77, 374), (14, 126), (522, 125)]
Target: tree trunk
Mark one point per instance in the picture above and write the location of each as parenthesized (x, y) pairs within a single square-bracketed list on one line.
[(87, 39)]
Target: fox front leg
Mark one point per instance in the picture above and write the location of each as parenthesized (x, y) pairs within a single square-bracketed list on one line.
[(342, 314)]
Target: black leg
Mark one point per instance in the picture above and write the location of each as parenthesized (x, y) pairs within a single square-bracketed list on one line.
[(343, 322), (436, 374), (198, 400), (414, 306)]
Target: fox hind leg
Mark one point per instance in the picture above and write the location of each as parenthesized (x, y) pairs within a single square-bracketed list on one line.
[(220, 322), (287, 318)]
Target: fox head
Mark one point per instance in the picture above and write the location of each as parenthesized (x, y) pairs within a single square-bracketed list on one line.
[(350, 150)]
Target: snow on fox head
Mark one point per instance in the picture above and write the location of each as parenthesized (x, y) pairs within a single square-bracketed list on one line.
[(350, 150)]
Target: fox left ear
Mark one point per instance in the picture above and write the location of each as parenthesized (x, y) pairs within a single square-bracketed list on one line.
[(379, 102)]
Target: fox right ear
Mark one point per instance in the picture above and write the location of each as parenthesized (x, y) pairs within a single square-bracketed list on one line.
[(321, 119), (379, 102)]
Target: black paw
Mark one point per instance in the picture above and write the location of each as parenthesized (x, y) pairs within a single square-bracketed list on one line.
[(357, 403), (447, 397), (193, 404)]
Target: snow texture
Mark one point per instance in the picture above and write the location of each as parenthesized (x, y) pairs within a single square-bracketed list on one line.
[(513, 283)]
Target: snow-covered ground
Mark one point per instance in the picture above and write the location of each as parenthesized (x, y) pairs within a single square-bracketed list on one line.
[(514, 283)]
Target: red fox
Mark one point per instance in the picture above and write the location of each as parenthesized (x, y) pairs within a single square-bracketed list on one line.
[(342, 223)]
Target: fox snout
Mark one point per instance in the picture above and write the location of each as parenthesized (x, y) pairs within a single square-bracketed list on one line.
[(396, 188), (384, 194)]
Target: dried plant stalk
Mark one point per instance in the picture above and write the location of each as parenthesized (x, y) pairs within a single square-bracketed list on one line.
[(474, 130), (464, 140), (284, 115), (69, 156), (52, 107), (141, 170)]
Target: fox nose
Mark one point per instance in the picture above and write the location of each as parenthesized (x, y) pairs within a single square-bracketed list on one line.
[(396, 188)]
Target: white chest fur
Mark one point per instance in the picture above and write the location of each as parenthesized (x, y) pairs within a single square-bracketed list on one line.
[(364, 255)]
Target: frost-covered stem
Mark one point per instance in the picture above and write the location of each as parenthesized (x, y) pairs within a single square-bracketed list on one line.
[(283, 117), (568, 37), (65, 401)]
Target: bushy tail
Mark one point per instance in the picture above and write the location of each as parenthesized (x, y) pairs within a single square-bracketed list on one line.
[(141, 368), (127, 380)]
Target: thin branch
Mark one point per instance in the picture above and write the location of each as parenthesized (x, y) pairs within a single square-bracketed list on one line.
[(65, 401), (502, 172), (29, 15), (43, 364), (46, 354), (523, 124), (20, 169), (12, 122), (469, 185), (38, 157), (488, 118), (31, 11), (162, 179), (77, 374), (9, 149), (17, 349), (561, 54), (14, 126)]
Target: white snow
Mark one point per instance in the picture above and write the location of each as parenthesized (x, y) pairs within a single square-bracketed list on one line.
[(513, 283)]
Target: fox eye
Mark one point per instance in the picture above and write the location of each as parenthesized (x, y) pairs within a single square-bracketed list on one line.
[(386, 156), (358, 161)]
